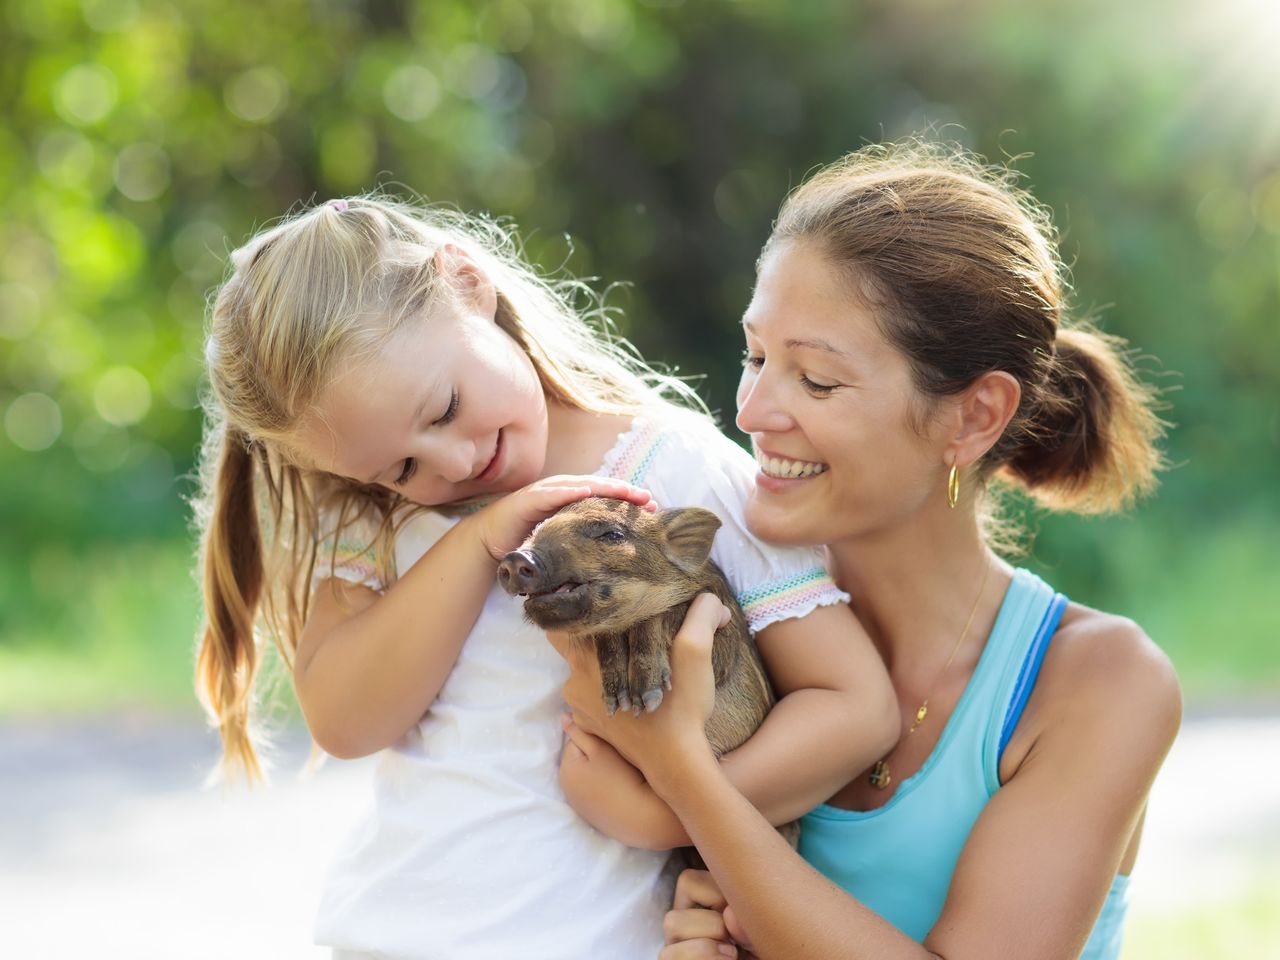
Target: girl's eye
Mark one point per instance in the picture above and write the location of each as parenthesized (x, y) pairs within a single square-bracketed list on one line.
[(818, 389), (451, 412), (751, 361), (407, 471)]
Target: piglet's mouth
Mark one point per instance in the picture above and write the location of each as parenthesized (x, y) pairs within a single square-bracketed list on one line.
[(567, 589)]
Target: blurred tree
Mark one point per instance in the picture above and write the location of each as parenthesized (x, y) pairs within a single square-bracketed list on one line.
[(647, 141)]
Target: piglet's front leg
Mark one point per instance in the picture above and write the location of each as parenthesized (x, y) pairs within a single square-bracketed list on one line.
[(611, 652), (650, 673)]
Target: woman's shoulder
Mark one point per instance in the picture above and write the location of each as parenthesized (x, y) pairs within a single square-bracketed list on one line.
[(1103, 681), (1110, 657)]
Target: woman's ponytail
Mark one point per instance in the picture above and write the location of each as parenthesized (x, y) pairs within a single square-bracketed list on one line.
[(232, 578), (1088, 444)]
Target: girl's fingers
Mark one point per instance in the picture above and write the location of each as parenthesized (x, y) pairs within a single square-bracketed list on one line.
[(697, 888), (698, 950), (694, 924), (600, 487)]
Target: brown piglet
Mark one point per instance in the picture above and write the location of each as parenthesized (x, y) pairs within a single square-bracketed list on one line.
[(619, 579)]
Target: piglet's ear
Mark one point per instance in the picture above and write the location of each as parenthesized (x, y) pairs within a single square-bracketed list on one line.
[(689, 532)]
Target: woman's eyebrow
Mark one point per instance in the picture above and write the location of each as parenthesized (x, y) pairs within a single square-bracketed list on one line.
[(811, 343)]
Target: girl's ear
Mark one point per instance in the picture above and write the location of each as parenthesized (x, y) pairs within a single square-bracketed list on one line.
[(467, 279)]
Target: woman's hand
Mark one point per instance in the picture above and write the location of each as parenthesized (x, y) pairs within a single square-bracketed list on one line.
[(700, 924), (655, 742), (504, 524)]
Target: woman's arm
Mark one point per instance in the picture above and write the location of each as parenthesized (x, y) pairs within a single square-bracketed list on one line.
[(369, 665), (836, 715), (1037, 865)]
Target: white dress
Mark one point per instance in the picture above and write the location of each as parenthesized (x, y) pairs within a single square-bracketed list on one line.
[(470, 851)]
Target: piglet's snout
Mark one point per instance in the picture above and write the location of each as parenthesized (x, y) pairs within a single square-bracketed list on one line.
[(520, 572)]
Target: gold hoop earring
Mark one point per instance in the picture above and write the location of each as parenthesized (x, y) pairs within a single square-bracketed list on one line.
[(953, 487)]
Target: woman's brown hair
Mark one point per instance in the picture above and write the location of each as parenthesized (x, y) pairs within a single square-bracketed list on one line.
[(962, 267)]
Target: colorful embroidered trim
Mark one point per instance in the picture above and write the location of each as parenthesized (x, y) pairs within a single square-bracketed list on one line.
[(634, 460), (780, 599), (351, 562)]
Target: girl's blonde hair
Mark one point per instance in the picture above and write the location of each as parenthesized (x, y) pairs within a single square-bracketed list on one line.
[(321, 288)]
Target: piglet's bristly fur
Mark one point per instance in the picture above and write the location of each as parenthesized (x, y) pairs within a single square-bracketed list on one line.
[(620, 579)]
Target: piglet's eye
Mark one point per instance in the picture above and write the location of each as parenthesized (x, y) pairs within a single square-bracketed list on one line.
[(612, 535)]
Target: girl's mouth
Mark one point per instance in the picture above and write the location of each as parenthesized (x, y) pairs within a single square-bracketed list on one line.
[(494, 466)]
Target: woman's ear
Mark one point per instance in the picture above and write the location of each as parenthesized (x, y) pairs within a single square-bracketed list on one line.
[(982, 413), (467, 279)]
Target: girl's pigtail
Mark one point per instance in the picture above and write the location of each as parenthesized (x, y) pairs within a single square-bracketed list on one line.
[(232, 581)]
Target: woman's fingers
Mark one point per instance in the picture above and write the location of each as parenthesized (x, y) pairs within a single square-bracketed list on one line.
[(697, 888), (698, 950), (706, 615), (562, 644), (584, 742), (736, 933), (694, 924)]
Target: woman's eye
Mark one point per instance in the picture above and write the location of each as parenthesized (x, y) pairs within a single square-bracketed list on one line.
[(751, 360), (818, 389), (451, 412), (407, 471)]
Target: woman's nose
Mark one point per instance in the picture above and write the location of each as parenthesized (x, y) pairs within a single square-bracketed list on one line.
[(758, 409)]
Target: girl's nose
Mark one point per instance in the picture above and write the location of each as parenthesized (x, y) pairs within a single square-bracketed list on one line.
[(758, 409), (455, 460)]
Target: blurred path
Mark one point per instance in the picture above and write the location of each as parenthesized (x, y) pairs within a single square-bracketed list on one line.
[(109, 847)]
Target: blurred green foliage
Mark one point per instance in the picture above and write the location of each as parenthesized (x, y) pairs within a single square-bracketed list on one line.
[(143, 140)]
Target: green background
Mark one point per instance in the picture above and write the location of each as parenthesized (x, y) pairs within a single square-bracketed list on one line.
[(645, 142)]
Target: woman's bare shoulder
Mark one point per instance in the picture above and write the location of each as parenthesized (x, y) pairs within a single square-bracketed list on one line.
[(1104, 652), (1101, 674)]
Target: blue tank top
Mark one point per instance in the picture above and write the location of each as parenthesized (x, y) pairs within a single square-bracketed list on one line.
[(898, 859)]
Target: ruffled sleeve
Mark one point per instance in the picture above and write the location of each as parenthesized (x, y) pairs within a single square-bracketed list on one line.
[(684, 461), (349, 553)]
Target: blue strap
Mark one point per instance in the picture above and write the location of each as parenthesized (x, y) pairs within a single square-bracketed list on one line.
[(1031, 669)]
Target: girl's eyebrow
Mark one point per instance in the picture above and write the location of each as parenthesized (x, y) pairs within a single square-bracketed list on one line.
[(811, 343)]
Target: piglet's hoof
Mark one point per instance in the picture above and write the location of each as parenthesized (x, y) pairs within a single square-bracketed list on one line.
[(652, 698), (610, 704)]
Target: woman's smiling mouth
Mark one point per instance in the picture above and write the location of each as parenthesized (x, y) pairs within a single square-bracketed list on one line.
[(784, 468)]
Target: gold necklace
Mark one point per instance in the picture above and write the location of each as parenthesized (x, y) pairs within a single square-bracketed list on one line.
[(880, 777)]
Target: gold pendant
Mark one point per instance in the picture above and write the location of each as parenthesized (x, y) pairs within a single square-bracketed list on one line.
[(880, 775)]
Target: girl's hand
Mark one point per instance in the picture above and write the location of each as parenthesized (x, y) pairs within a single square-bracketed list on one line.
[(700, 924), (504, 524), (653, 742)]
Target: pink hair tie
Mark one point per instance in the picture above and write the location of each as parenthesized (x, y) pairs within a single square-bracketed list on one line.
[(338, 205)]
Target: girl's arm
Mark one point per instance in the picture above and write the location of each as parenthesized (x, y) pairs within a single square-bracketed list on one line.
[(369, 665), (836, 715), (1034, 870)]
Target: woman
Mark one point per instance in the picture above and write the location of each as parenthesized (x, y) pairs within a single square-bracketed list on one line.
[(906, 344)]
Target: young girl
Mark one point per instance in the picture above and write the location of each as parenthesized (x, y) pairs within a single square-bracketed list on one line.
[(369, 361)]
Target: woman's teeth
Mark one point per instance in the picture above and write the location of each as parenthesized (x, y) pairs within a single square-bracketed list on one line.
[(788, 469)]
